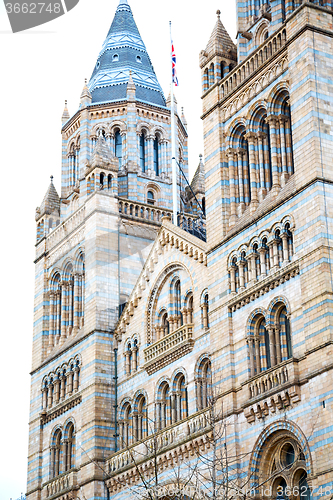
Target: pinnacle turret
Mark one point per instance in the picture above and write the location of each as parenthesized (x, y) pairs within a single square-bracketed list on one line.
[(50, 203), (220, 39), (85, 98), (65, 115)]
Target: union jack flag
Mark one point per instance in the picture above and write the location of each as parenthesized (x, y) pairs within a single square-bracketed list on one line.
[(174, 72)]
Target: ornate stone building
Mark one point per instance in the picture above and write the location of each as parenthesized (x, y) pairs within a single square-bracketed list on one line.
[(142, 328)]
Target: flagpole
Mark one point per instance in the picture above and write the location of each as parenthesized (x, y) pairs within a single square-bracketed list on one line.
[(173, 146)]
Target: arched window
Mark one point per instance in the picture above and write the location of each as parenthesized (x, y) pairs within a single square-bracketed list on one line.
[(163, 406), (128, 359), (115, 58), (188, 311), (143, 141), (177, 303), (204, 384), (69, 448), (165, 325), (57, 465), (125, 426), (156, 156), (203, 204), (265, 345), (141, 419), (150, 198), (119, 147), (284, 334), (101, 180), (109, 181), (180, 399)]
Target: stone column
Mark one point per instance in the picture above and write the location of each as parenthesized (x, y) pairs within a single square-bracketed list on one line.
[(275, 255), (124, 149), (163, 415), (173, 408), (70, 383), (278, 344), (140, 423), (257, 349), (232, 271), (273, 124), (289, 147), (253, 271), (241, 275), (127, 363), (135, 426), (251, 137), (76, 378), (285, 247), (70, 307), (57, 391), (135, 357), (262, 253), (49, 395), (44, 393), (271, 345), (62, 387)]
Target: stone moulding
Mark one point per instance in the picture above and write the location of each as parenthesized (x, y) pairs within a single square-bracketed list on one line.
[(60, 485), (61, 408), (263, 286), (168, 349)]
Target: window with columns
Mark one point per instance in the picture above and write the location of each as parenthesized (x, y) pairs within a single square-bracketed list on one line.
[(62, 450), (131, 356), (61, 384), (204, 384), (266, 256), (133, 421), (73, 162), (269, 341), (171, 405), (66, 303), (259, 156)]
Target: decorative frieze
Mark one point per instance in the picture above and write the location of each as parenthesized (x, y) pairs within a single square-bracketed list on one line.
[(60, 409)]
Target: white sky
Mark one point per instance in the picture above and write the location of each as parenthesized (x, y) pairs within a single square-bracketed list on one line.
[(39, 69)]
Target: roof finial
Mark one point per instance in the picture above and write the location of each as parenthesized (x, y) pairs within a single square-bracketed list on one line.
[(218, 12), (85, 81), (51, 178)]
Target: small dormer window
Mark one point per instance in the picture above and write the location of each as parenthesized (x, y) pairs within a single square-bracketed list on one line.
[(138, 59), (98, 64), (115, 57)]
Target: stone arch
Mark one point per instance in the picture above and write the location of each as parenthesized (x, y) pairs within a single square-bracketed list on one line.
[(279, 93), (254, 318), (118, 125), (235, 131), (275, 305), (285, 428), (178, 372), (157, 286)]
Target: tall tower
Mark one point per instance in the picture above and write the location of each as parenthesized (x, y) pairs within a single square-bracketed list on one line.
[(268, 126), (92, 241)]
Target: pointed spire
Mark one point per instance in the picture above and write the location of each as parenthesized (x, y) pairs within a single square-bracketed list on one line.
[(124, 50), (131, 89), (220, 39), (50, 203), (85, 98), (198, 181), (65, 116)]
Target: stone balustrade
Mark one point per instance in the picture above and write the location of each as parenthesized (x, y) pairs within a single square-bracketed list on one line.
[(244, 70), (158, 442), (63, 483), (285, 373), (142, 211), (169, 348)]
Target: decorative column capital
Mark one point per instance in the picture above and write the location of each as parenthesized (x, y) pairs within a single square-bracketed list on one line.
[(271, 120), (251, 137)]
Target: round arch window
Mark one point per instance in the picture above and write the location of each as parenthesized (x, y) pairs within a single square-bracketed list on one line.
[(138, 59), (115, 57)]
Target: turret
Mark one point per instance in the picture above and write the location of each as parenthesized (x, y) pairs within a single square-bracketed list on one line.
[(48, 214), (219, 57)]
